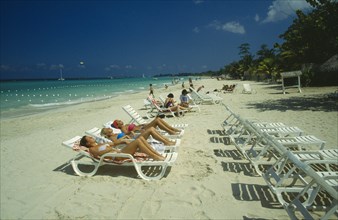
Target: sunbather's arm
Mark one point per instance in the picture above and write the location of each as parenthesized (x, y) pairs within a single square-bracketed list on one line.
[(121, 141), (124, 129)]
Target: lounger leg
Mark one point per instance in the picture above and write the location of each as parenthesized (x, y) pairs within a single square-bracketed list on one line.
[(139, 171), (75, 165)]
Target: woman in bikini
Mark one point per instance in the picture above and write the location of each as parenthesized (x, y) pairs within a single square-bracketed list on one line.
[(157, 122), (140, 144), (108, 133)]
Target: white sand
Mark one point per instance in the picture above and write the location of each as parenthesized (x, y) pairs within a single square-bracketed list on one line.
[(205, 183)]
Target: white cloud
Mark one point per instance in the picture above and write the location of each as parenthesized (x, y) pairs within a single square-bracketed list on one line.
[(196, 30), (56, 66), (5, 67), (282, 9), (162, 66), (197, 2), (41, 66), (112, 67), (257, 18), (232, 26)]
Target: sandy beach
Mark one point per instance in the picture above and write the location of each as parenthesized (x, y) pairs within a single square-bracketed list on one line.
[(204, 183)]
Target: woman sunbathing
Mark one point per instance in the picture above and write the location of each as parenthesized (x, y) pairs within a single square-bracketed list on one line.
[(184, 98), (108, 133), (170, 103), (140, 144), (157, 122)]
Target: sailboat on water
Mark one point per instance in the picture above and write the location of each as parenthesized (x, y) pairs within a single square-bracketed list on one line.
[(61, 78)]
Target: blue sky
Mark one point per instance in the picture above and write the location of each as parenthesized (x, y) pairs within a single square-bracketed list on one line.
[(115, 38)]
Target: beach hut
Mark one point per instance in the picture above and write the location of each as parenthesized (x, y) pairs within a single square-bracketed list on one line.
[(292, 74)]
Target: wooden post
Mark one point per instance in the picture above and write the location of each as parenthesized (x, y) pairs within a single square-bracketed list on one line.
[(300, 91), (290, 75)]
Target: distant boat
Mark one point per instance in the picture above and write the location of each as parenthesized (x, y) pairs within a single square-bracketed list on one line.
[(155, 78), (143, 76), (61, 79)]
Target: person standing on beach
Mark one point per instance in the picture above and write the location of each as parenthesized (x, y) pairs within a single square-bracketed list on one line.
[(151, 90), (191, 84), (200, 88)]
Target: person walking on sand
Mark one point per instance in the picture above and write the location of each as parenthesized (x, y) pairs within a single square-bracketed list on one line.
[(151, 90), (191, 84), (200, 88)]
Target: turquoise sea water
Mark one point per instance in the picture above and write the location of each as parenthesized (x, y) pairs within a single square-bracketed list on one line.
[(20, 98)]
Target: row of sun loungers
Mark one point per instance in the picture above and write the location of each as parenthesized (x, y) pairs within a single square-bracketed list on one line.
[(84, 164), (200, 98), (295, 166)]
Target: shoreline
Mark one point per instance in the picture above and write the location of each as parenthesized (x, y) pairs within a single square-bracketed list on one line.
[(202, 184), (32, 98)]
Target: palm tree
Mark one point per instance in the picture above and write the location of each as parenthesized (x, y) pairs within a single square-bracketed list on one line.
[(269, 67)]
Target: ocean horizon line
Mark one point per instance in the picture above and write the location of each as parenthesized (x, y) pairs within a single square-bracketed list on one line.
[(71, 78)]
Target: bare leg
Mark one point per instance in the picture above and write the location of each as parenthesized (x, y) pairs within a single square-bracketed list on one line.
[(163, 125), (145, 143), (177, 109), (144, 147), (156, 135)]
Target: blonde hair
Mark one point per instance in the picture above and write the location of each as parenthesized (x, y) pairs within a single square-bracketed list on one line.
[(102, 133)]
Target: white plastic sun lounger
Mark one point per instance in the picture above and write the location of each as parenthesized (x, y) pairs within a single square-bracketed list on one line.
[(300, 142), (254, 148), (204, 98), (290, 176), (164, 133), (145, 169), (321, 181), (269, 124), (231, 119), (281, 131), (192, 106), (161, 110), (247, 89), (329, 154), (96, 133), (138, 119), (253, 145), (232, 123)]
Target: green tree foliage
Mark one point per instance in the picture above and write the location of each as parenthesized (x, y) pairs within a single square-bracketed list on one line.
[(247, 58), (269, 67), (312, 38)]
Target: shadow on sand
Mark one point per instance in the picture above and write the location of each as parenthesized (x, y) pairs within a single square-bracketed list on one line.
[(313, 103), (255, 192), (113, 171)]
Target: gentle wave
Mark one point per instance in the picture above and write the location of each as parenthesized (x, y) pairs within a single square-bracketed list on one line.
[(73, 102), (29, 97)]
